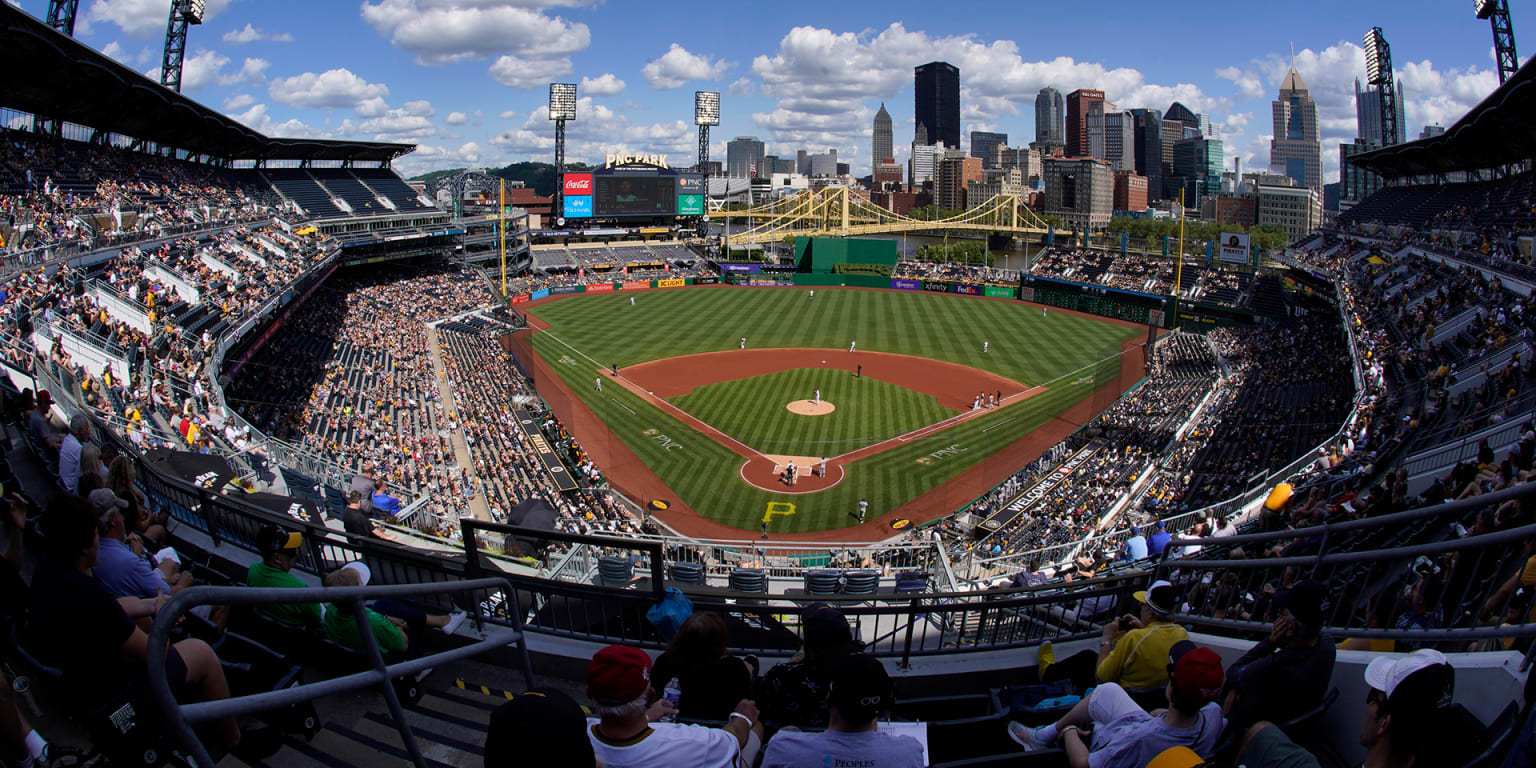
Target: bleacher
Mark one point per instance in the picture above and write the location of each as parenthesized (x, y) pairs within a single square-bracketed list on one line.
[(391, 186), (297, 186), (341, 183)]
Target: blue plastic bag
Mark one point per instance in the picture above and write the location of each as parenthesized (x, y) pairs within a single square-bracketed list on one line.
[(668, 615)]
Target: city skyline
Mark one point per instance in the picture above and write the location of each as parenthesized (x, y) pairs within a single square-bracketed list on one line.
[(466, 80)]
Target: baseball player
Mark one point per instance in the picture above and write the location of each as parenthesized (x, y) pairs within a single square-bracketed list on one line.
[(743, 342), (823, 470), (852, 345), (599, 381), (1042, 311), (817, 401), (631, 301), (984, 345), (791, 473), (813, 294), (863, 509)]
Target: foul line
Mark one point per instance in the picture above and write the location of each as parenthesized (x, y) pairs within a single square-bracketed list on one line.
[(999, 424), (622, 405)]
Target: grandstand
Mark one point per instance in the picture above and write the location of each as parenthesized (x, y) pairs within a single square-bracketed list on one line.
[(1396, 412)]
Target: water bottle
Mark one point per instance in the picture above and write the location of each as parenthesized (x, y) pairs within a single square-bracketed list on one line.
[(674, 694)]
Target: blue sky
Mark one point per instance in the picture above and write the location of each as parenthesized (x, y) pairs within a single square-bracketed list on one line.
[(466, 80)]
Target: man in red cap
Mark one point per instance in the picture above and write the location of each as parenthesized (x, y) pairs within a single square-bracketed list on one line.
[(628, 734), (1126, 736)]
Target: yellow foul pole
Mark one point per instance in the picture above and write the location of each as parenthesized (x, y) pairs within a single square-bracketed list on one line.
[(501, 227), (1178, 272)]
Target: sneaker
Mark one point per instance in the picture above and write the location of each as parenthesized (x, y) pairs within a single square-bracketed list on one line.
[(1025, 736), (1046, 657), (454, 620)]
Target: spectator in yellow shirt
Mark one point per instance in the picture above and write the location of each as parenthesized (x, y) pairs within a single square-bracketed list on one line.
[(1134, 651)]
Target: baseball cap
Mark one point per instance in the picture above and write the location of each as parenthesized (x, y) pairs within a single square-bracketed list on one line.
[(271, 539), (542, 726), (103, 501), (825, 626), (1159, 597), (1422, 681), (860, 687), (618, 674), (44, 399), (1197, 673), (363, 574), (1305, 601)]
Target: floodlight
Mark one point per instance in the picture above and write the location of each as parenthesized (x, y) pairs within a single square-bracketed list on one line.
[(193, 11), (562, 101), (1484, 8), (706, 108), (1376, 53)]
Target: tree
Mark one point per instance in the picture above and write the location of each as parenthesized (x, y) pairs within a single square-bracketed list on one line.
[(960, 251)]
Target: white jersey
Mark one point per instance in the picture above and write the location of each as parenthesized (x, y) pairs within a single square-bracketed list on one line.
[(669, 744)]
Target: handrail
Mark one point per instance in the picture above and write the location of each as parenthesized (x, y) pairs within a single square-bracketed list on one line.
[(470, 527), (181, 717)]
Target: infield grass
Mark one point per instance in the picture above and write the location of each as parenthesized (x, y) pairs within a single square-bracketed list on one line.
[(867, 411), (1071, 355)]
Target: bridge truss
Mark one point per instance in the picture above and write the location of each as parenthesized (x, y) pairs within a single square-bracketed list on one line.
[(834, 212)]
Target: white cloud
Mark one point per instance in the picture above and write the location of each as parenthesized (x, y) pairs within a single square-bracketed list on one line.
[(419, 108), (1248, 84), (238, 102), (516, 72), (677, 66), (115, 51), (605, 85), (252, 71), (250, 34), (332, 89), (597, 131), (206, 68), (138, 18), (258, 120), (397, 124), (440, 31), (429, 157), (456, 118), (506, 114), (742, 86)]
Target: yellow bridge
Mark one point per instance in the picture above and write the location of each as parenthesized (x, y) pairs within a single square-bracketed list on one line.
[(833, 212)]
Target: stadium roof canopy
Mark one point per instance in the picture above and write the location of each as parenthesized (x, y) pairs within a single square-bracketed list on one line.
[(1497, 132), (57, 77)]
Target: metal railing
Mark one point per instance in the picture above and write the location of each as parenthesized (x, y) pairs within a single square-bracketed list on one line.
[(181, 717), (12, 261)]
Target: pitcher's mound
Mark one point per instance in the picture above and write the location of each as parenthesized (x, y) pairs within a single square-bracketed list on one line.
[(811, 407)]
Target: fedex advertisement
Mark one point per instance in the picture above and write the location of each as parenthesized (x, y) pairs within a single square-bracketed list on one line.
[(578, 207), (578, 184)]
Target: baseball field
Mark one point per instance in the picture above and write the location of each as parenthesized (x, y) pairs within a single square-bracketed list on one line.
[(698, 417)]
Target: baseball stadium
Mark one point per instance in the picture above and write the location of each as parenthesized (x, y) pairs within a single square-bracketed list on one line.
[(311, 464)]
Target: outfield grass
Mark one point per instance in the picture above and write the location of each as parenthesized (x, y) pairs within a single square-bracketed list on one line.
[(868, 411), (1071, 355)]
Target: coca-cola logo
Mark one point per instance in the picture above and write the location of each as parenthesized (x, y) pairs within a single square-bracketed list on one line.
[(578, 184)]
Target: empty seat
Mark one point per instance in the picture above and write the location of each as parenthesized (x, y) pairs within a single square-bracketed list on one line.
[(912, 581), (822, 582), (752, 580), (686, 573), (614, 571), (861, 582)]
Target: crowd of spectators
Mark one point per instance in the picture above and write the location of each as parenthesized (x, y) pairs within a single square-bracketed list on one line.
[(1144, 273), (956, 271)]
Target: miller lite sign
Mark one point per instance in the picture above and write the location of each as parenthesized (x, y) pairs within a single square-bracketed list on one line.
[(578, 184)]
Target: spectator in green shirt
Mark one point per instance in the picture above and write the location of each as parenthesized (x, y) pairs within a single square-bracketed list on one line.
[(279, 549), (397, 627)]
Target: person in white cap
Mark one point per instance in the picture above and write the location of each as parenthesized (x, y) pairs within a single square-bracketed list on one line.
[(1405, 707), (397, 627)]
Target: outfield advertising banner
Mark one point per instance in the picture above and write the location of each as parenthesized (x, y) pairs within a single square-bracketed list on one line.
[(705, 280), (967, 289), (671, 283), (568, 289), (637, 285), (998, 292), (600, 288), (902, 284), (521, 298), (741, 269), (937, 286), (1234, 248), (1026, 293), (542, 293)]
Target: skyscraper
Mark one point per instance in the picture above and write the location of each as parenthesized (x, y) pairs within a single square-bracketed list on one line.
[(1148, 137), (982, 144), (1368, 114), (1295, 151), (742, 155), (1078, 103), (880, 146), (1050, 111), (936, 87)]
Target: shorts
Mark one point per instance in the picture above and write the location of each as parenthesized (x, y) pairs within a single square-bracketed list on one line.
[(1113, 713), (1271, 748)]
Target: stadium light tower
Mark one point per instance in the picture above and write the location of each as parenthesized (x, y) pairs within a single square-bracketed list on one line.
[(1378, 72), (562, 107), (183, 12), (61, 15), (1497, 11), (706, 112)]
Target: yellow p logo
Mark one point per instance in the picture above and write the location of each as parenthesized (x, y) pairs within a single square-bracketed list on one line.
[(778, 508)]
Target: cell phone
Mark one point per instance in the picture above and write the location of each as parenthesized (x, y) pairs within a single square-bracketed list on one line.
[(1125, 624)]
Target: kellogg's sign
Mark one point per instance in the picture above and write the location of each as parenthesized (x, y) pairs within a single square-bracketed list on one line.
[(578, 184)]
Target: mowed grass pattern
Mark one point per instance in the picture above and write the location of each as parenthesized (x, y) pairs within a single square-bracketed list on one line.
[(1071, 355), (867, 411)]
